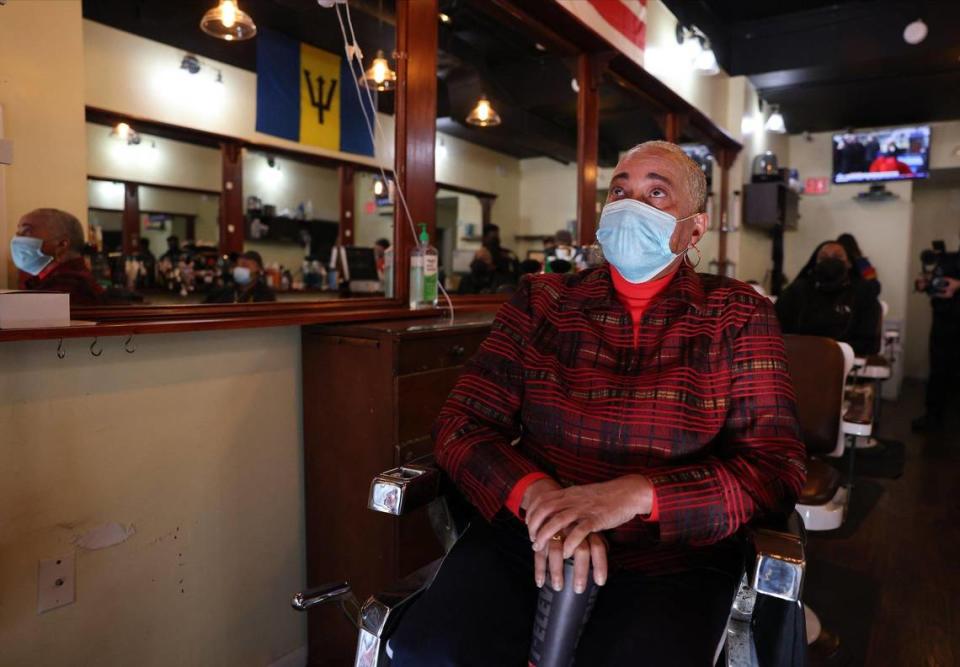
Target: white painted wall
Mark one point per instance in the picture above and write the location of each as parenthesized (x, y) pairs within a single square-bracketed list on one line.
[(290, 182), (154, 160), (196, 441), (41, 99), (883, 229)]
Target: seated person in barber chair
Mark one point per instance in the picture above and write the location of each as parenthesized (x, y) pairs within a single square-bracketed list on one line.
[(633, 416), (829, 299)]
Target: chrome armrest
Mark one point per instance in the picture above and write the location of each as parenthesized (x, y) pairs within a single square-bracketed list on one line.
[(381, 614), (399, 491), (338, 593), (778, 565)]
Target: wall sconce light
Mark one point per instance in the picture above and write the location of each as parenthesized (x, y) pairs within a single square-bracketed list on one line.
[(703, 59), (379, 76), (124, 132), (483, 115), (226, 21)]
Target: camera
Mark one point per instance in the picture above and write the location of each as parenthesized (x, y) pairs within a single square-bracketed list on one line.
[(940, 264)]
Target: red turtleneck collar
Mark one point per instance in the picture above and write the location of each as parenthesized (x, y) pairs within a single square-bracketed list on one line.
[(635, 297)]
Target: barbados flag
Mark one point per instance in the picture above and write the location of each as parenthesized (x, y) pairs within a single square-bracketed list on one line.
[(307, 95)]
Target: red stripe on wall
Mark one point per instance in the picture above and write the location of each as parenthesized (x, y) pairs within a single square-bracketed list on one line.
[(622, 20)]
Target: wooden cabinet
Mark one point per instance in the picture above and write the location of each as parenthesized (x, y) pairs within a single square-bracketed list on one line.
[(370, 395)]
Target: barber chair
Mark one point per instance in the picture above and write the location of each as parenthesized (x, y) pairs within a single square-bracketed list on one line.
[(874, 369), (774, 568), (828, 419)]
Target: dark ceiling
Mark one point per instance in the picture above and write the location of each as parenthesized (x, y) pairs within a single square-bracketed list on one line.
[(833, 65), (529, 87)]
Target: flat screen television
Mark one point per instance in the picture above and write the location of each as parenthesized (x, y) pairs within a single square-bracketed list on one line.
[(869, 156)]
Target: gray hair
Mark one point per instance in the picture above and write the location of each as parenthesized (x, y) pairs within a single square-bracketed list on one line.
[(62, 225), (695, 180)]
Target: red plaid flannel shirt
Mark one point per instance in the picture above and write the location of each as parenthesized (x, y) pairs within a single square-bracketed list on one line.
[(702, 405)]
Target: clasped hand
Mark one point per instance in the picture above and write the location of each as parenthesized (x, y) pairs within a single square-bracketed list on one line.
[(578, 514)]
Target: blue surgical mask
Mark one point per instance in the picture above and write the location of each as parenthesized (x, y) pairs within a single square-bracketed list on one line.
[(635, 238), (241, 275), (27, 254)]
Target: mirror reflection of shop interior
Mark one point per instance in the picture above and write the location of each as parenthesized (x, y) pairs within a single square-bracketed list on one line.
[(506, 145)]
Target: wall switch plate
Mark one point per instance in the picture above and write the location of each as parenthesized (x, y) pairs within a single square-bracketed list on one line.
[(56, 583)]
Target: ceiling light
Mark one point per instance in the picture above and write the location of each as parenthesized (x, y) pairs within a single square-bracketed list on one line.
[(775, 122), (539, 47), (915, 32), (445, 18), (483, 115), (190, 63), (379, 187), (379, 76), (227, 21), (575, 86)]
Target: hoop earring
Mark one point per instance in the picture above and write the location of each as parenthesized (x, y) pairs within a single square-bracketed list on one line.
[(686, 256)]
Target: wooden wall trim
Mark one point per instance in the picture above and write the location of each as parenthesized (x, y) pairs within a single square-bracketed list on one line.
[(416, 128)]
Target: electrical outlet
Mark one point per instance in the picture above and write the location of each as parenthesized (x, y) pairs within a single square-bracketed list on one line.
[(56, 583)]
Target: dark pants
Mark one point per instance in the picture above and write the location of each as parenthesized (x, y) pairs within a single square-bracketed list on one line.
[(944, 362), (480, 610)]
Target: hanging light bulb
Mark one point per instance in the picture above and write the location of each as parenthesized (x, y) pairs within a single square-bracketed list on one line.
[(227, 21), (483, 115), (775, 122), (379, 76)]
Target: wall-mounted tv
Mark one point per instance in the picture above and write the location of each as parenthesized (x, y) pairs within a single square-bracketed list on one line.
[(868, 156)]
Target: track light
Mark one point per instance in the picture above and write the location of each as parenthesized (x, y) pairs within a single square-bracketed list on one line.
[(226, 21)]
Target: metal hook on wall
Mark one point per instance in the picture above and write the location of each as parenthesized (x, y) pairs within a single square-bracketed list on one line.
[(98, 351), (61, 351), (129, 346)]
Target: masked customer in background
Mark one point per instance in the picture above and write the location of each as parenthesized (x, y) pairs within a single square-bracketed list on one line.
[(633, 416), (827, 300), (248, 284), (48, 251)]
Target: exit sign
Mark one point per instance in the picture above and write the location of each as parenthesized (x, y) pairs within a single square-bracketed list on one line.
[(817, 186)]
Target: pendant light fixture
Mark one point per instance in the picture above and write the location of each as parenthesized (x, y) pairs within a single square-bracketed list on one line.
[(227, 21), (483, 115), (775, 122), (379, 76)]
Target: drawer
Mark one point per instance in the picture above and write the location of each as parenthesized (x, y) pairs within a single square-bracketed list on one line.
[(419, 399), (416, 355)]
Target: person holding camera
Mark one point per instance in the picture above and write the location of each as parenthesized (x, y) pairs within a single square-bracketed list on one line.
[(940, 279)]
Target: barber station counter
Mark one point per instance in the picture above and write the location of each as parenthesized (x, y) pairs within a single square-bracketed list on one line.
[(200, 438), (370, 395)]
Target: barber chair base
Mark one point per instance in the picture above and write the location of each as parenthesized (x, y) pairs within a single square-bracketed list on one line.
[(828, 516)]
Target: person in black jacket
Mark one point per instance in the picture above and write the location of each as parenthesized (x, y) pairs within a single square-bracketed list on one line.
[(828, 300)]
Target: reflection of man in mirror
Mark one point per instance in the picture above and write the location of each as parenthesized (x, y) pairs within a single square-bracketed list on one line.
[(504, 261), (248, 285), (48, 251)]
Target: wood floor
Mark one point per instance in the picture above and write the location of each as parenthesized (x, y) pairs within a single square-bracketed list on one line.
[(888, 581)]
